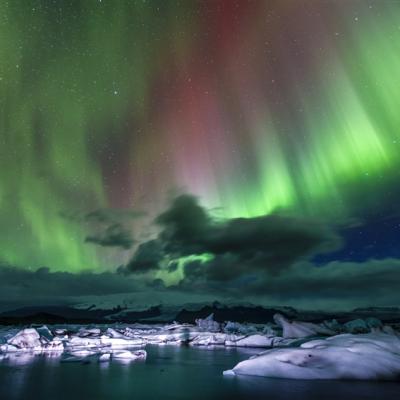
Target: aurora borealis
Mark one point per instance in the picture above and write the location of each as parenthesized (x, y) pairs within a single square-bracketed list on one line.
[(254, 107)]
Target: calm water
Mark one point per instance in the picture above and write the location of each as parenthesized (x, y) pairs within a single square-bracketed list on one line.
[(169, 373)]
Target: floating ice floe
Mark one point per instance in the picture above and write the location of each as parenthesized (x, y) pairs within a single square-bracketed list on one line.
[(256, 340), (121, 342), (130, 355), (75, 343), (26, 339), (365, 356), (297, 329), (105, 357), (29, 339)]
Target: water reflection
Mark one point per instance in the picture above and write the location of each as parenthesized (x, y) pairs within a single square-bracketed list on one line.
[(169, 372), (17, 359)]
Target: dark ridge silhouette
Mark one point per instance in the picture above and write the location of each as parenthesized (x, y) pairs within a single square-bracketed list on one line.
[(160, 314)]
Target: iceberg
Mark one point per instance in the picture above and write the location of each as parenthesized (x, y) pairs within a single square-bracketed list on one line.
[(298, 329), (208, 324), (130, 355), (86, 342), (105, 357), (346, 356), (289, 352), (28, 339), (256, 340), (121, 341), (91, 332)]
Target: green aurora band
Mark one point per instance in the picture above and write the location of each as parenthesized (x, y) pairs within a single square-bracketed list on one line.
[(112, 104)]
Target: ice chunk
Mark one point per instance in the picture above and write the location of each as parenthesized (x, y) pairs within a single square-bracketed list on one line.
[(93, 332), (208, 324), (114, 334), (236, 327), (105, 357), (84, 341), (45, 332), (297, 329), (269, 330), (8, 348), (130, 355), (209, 339), (356, 326), (333, 325), (228, 372), (121, 342), (253, 341), (83, 353), (368, 357), (28, 338), (53, 345)]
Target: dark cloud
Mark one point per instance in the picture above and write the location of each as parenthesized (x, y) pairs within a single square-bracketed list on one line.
[(240, 246), (335, 285), (146, 258), (185, 226), (115, 235), (372, 282), (266, 258), (21, 287), (107, 226), (243, 253)]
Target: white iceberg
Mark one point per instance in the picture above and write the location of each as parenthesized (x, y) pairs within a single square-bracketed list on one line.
[(209, 339), (87, 342), (364, 357), (55, 345), (27, 339), (121, 341), (208, 324), (114, 333), (105, 357), (298, 329), (93, 332), (256, 340), (130, 355), (236, 327)]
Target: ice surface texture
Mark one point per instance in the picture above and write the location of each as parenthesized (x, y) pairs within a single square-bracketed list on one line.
[(373, 356)]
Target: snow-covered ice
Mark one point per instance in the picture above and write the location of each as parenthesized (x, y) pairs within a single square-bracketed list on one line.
[(105, 357), (208, 324), (29, 339), (365, 357), (297, 329), (358, 349), (130, 355)]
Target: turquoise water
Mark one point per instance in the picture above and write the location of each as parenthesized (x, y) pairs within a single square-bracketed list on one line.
[(169, 373)]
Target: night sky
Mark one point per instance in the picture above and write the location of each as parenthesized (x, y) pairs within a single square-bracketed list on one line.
[(175, 151)]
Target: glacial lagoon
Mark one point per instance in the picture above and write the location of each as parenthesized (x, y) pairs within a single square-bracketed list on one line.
[(169, 372)]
